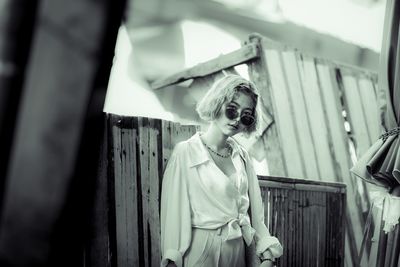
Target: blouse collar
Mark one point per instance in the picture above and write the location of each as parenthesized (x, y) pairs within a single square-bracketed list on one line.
[(199, 154)]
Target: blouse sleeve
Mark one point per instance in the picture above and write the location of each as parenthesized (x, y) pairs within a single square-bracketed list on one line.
[(175, 211), (267, 246)]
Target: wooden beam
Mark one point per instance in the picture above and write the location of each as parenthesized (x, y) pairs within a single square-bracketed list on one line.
[(240, 56), (293, 181), (303, 187)]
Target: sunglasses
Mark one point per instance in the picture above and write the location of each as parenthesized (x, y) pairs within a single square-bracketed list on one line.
[(246, 119)]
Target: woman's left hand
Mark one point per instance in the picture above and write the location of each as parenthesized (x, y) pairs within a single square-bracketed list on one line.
[(267, 264)]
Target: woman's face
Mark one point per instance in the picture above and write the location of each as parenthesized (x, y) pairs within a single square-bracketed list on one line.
[(243, 104)]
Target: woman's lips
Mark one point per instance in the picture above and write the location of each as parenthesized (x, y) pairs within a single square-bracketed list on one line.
[(233, 126)]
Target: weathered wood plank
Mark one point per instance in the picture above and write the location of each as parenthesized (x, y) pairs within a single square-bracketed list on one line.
[(372, 260), (284, 115), (290, 228), (342, 230), (242, 55), (155, 166), (285, 225), (314, 247), (258, 72), (300, 118), (297, 225), (370, 107), (338, 141), (305, 187), (316, 114), (288, 180), (349, 261), (126, 194), (360, 130), (323, 226), (143, 124), (279, 227), (306, 230), (98, 248), (339, 145), (356, 113), (166, 142), (336, 207), (391, 240)]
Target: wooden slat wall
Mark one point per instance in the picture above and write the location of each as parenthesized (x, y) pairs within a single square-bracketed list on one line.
[(308, 97), (139, 151)]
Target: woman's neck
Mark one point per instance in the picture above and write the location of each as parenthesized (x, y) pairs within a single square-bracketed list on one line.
[(215, 138)]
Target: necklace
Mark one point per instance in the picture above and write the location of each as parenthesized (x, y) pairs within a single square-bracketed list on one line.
[(215, 152)]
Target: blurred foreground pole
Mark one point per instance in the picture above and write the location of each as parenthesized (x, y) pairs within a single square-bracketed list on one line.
[(58, 130), (17, 18)]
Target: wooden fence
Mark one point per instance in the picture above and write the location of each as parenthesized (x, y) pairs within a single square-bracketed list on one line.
[(307, 216), (140, 148)]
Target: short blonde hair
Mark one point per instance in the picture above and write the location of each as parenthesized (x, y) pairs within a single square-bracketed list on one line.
[(224, 91)]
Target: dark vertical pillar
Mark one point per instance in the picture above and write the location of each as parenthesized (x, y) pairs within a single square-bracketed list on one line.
[(17, 19), (54, 156)]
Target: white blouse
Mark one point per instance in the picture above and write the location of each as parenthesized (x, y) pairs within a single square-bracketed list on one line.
[(196, 193)]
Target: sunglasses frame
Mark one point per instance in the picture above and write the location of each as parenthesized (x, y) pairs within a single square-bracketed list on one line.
[(228, 115)]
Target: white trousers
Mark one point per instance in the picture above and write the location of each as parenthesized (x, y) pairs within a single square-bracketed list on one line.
[(209, 248)]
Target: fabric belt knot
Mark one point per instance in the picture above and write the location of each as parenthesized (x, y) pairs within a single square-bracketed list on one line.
[(241, 227)]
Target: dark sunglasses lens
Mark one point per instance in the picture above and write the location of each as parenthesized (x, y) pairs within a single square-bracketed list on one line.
[(247, 120), (231, 113)]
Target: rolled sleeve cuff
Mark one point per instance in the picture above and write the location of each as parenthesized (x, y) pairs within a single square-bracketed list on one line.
[(271, 244), (173, 255)]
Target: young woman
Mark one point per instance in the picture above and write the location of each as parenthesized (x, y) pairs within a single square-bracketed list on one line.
[(210, 186)]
